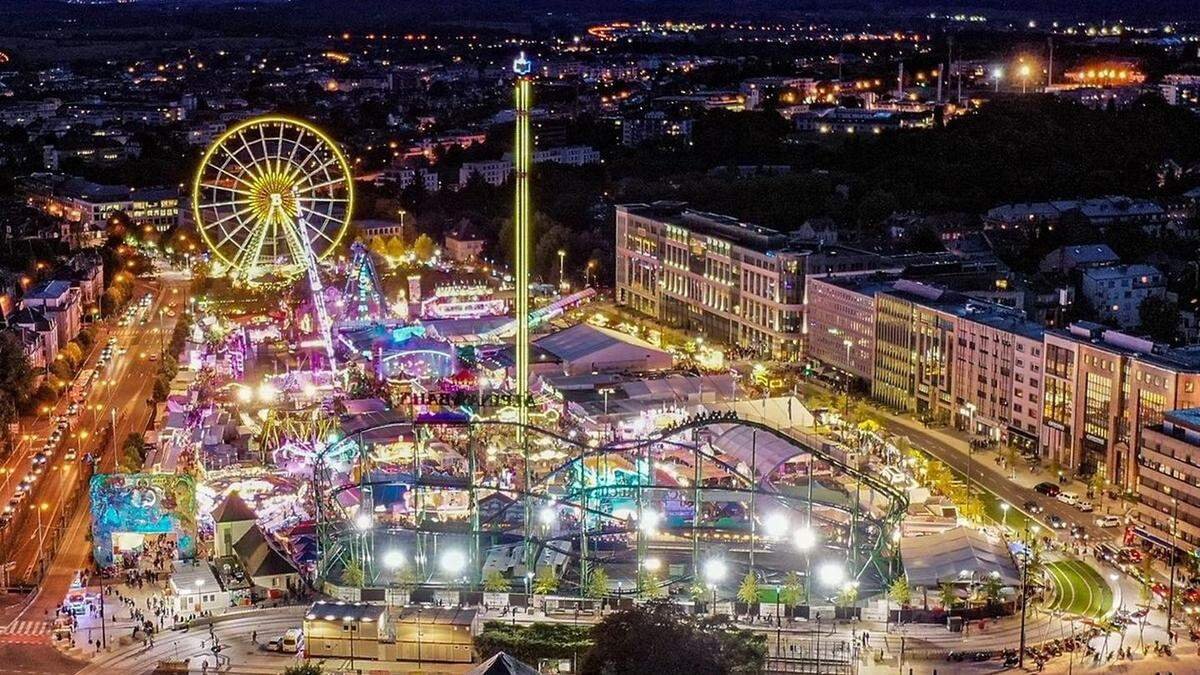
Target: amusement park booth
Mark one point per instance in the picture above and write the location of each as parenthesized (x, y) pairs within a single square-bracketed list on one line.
[(195, 589), (345, 629), (442, 634)]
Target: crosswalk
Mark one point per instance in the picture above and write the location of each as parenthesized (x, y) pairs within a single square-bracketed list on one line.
[(27, 628), (26, 632)]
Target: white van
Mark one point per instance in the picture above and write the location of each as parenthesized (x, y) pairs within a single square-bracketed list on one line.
[(292, 641), (1108, 521), (1067, 498)]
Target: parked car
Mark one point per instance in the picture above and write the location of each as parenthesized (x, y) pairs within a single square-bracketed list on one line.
[(1047, 488), (1067, 497), (1056, 522), (1085, 506), (1108, 521)]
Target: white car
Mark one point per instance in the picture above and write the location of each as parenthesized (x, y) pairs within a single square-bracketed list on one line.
[(1067, 498), (1085, 506), (1108, 521)]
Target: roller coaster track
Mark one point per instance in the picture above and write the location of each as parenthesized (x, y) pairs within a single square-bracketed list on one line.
[(336, 526)]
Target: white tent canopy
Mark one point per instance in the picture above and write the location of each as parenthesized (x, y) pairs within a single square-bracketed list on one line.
[(936, 558)]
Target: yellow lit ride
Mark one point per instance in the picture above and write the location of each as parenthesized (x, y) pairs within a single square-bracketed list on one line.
[(272, 197)]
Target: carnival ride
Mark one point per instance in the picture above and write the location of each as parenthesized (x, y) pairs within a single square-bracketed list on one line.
[(271, 199), (712, 487)]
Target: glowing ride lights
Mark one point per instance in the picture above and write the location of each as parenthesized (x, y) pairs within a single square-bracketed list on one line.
[(775, 525), (363, 522), (273, 195)]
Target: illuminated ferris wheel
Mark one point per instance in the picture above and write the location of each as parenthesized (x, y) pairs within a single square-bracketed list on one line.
[(272, 197)]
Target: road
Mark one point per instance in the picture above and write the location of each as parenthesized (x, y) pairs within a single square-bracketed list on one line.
[(127, 383)]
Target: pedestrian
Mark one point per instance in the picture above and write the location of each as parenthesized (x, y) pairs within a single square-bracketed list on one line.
[(254, 637)]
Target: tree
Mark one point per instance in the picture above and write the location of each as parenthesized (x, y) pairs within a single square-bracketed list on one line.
[(948, 594), (650, 586), (597, 585), (133, 453), (352, 573), (534, 642), (990, 589), (1159, 319), (495, 582), (424, 247), (407, 577), (876, 206), (395, 249), (16, 379), (660, 638), (546, 582), (748, 591), (306, 668), (847, 596), (900, 592), (792, 593)]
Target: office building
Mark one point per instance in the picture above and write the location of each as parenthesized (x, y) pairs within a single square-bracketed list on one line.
[(950, 358), (840, 322), (720, 278), (88, 205), (1101, 389)]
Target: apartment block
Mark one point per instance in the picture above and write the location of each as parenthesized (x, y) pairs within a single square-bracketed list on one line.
[(726, 280), (1102, 388), (1169, 483)]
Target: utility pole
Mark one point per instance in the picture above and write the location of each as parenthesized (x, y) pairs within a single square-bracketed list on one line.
[(900, 83), (1050, 63)]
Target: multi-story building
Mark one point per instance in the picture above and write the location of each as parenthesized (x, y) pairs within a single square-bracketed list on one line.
[(720, 278), (1169, 481), (1101, 389), (405, 177), (89, 205), (497, 171), (1116, 292), (949, 357), (840, 322), (653, 126), (60, 301)]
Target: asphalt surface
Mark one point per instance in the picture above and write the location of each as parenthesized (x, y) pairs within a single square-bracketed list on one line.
[(127, 384)]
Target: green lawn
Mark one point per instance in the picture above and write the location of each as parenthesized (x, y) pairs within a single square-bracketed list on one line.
[(1079, 589)]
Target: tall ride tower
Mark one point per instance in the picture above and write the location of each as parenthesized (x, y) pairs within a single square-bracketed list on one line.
[(522, 158)]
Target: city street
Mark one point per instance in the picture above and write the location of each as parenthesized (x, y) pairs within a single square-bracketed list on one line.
[(121, 391)]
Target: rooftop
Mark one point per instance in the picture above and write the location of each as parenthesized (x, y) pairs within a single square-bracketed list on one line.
[(344, 611)]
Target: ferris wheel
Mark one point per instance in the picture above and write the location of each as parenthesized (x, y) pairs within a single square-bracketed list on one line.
[(272, 196)]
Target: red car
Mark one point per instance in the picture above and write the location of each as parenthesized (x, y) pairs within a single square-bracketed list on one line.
[(1191, 595), (1160, 589)]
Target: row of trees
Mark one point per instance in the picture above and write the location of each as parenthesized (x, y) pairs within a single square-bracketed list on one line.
[(654, 638)]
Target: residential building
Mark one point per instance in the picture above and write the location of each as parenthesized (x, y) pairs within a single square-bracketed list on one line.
[(60, 301), (1097, 212), (1101, 389), (1116, 292), (497, 171), (405, 177), (654, 126), (1066, 259), (371, 228), (720, 278), (39, 333), (464, 243), (1169, 481)]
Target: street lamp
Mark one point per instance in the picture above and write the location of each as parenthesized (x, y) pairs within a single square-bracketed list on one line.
[(997, 75), (453, 562), (562, 261), (832, 574), (776, 525), (393, 559), (805, 538), (1024, 72), (363, 522), (1004, 510), (714, 572)]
